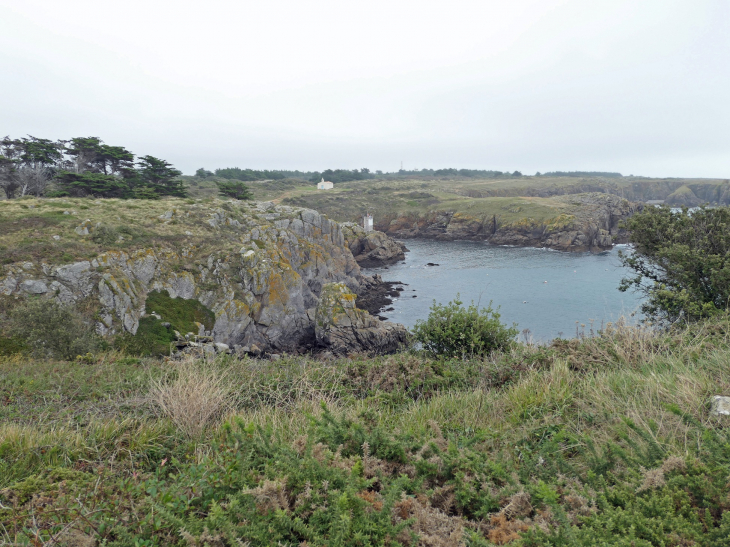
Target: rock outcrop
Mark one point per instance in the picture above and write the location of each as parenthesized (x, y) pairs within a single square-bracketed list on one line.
[(594, 225), (260, 268), (340, 326), (372, 249)]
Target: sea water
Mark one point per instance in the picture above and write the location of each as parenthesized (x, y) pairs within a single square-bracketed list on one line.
[(547, 293)]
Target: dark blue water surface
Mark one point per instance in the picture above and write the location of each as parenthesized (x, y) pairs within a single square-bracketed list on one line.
[(581, 288)]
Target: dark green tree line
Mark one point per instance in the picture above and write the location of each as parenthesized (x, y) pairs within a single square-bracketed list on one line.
[(83, 166)]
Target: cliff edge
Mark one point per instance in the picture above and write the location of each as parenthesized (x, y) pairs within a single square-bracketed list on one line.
[(260, 268)]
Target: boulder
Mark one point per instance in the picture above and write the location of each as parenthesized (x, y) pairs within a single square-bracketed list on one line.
[(720, 406), (342, 328), (33, 286)]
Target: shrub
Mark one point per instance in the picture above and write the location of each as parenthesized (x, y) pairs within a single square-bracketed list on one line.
[(10, 346), (106, 236), (682, 262), (235, 190), (453, 330), (194, 398), (152, 338), (51, 329)]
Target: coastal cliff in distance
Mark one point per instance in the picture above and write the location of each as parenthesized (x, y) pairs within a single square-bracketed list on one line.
[(259, 269), (562, 213), (588, 222)]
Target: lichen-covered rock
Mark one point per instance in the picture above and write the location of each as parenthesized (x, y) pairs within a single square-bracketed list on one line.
[(372, 249), (259, 267), (342, 328)]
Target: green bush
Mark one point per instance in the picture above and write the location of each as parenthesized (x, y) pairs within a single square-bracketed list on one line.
[(152, 338), (453, 330), (10, 346), (181, 313), (51, 329), (108, 236), (681, 261), (235, 190)]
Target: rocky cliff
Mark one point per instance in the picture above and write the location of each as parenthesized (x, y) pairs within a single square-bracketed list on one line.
[(591, 222), (258, 267), (372, 249)]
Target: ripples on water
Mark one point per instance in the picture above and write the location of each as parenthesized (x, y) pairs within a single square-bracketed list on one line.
[(545, 291)]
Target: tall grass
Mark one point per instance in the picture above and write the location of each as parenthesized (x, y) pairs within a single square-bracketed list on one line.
[(195, 395)]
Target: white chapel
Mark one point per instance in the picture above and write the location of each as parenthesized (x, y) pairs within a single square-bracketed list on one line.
[(325, 185)]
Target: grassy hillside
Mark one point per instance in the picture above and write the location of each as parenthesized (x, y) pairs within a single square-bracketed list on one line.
[(514, 198), (599, 441), (44, 229)]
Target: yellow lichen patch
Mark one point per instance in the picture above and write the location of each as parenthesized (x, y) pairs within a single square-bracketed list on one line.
[(561, 222)]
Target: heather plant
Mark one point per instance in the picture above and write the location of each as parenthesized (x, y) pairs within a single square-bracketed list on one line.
[(453, 330)]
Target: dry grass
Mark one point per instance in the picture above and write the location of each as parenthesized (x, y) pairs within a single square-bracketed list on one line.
[(194, 397)]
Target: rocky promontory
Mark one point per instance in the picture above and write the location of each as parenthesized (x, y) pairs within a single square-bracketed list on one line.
[(372, 249), (260, 268), (588, 222)]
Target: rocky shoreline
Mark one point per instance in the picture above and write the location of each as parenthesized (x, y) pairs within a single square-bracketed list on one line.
[(375, 297), (595, 225)]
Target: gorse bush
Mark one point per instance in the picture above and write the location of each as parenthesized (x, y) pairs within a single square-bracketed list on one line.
[(576, 444), (50, 329), (452, 330), (344, 482)]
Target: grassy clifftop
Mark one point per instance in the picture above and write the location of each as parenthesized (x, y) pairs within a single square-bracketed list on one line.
[(500, 196), (46, 229), (599, 441)]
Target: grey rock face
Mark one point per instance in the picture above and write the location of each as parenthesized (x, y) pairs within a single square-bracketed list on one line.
[(264, 293), (32, 286), (372, 249), (341, 328)]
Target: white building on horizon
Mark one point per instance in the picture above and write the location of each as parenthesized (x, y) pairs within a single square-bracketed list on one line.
[(325, 185)]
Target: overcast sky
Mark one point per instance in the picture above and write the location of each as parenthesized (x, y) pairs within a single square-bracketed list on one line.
[(636, 86)]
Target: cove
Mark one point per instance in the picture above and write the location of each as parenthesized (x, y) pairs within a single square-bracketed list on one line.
[(581, 288)]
